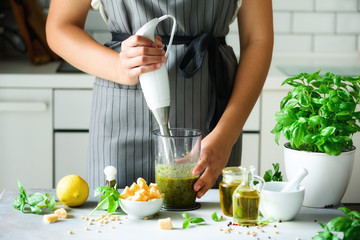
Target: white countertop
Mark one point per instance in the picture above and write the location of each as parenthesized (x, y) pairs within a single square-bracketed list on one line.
[(16, 225), (21, 73)]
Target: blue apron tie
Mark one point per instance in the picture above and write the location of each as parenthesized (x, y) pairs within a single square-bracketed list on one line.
[(193, 58)]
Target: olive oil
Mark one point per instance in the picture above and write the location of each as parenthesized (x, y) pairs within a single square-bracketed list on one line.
[(230, 181), (246, 198), (246, 207)]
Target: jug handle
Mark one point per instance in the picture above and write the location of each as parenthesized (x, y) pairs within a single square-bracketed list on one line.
[(172, 31), (260, 185)]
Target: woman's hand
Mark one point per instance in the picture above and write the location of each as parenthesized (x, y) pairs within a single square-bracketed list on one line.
[(214, 157), (139, 55)]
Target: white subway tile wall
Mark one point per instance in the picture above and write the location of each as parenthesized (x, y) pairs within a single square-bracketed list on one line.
[(293, 5), (282, 22), (335, 44), (336, 5), (317, 26), (348, 23), (314, 22), (301, 26), (297, 43)]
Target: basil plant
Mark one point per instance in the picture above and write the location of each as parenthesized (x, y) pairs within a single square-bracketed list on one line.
[(319, 114)]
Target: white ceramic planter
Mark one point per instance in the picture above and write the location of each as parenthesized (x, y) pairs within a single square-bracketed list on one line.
[(328, 176)]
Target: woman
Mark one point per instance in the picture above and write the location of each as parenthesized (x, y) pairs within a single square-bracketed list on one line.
[(121, 124)]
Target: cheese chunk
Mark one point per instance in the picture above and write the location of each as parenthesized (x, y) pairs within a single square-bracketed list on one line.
[(50, 218), (165, 224), (155, 193), (142, 184), (134, 187), (61, 212), (126, 193)]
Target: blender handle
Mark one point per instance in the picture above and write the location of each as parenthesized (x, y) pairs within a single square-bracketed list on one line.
[(172, 31), (261, 183)]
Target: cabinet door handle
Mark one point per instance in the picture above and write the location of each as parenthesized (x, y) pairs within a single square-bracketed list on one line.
[(22, 106)]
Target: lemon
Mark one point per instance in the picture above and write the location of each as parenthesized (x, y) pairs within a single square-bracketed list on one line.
[(72, 190)]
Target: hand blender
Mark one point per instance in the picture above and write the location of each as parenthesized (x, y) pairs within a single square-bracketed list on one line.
[(155, 85)]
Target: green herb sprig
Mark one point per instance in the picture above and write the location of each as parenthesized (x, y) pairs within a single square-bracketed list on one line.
[(191, 221), (349, 226), (319, 114), (216, 217), (109, 199), (277, 176), (33, 201)]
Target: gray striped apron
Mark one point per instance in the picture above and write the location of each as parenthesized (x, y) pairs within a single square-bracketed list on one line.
[(121, 124)]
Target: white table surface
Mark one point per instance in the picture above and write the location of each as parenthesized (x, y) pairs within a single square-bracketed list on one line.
[(16, 225)]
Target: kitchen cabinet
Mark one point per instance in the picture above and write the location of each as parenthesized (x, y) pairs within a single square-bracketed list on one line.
[(251, 139), (250, 151), (70, 154), (270, 152), (72, 109), (26, 138), (71, 125)]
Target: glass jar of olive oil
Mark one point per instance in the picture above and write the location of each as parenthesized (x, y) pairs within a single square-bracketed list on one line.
[(231, 179), (246, 198)]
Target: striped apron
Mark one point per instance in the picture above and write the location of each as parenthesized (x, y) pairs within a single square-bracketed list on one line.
[(121, 124)]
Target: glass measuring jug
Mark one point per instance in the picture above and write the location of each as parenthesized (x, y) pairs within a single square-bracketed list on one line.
[(175, 178)]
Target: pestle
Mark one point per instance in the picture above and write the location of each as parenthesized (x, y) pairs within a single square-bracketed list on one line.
[(294, 183)]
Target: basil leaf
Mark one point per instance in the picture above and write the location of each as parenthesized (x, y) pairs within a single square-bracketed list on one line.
[(185, 215), (339, 224), (100, 190), (356, 223), (298, 135), (197, 220), (268, 176), (314, 120), (352, 233), (103, 202), (186, 223), (36, 198), (216, 217), (21, 188), (35, 209), (52, 203), (17, 203), (276, 167), (327, 131), (111, 205)]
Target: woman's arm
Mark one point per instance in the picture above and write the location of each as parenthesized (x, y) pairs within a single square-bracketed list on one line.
[(66, 36), (256, 44)]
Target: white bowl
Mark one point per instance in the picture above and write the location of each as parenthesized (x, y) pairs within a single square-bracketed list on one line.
[(278, 205), (141, 209)]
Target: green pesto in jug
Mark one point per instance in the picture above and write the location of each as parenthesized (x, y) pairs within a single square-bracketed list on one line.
[(177, 184), (179, 192)]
